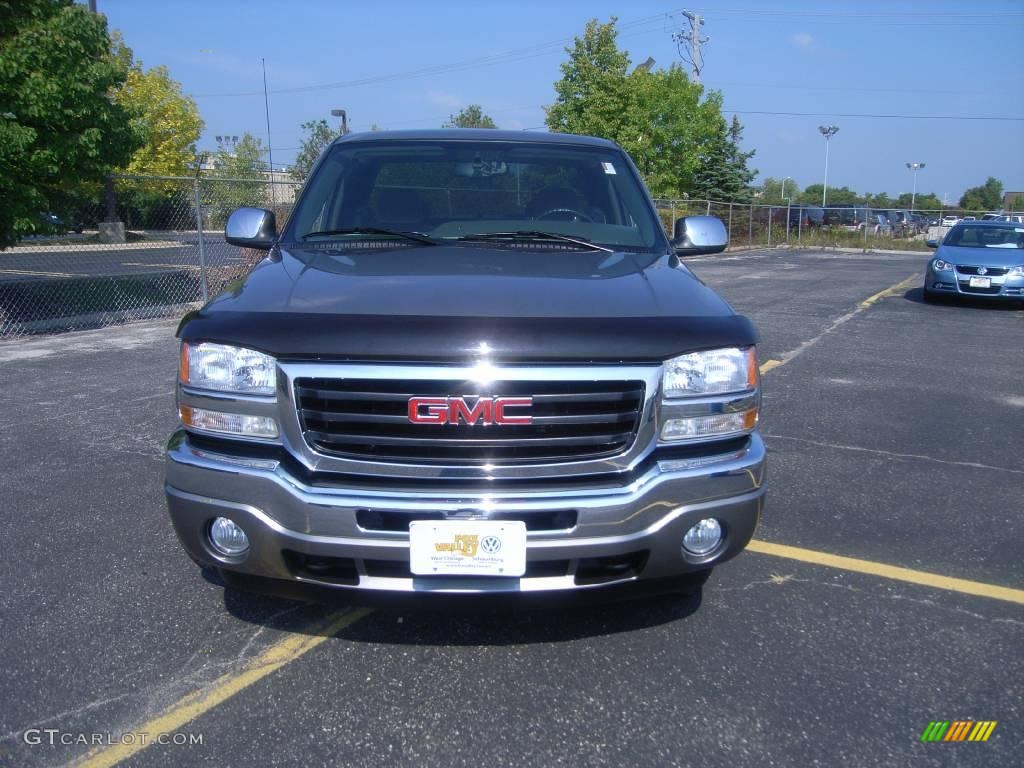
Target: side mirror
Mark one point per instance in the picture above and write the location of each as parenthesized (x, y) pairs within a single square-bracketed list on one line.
[(698, 235), (932, 243), (251, 228)]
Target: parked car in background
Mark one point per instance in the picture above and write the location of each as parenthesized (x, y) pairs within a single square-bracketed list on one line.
[(903, 223), (920, 221), (807, 217), (950, 221), (983, 259), (1013, 218), (878, 224), (838, 215)]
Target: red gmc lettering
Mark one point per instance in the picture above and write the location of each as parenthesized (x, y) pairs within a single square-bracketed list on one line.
[(436, 410), (455, 410), (501, 403), (482, 410)]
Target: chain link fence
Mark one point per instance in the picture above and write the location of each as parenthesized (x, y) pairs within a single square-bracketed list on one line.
[(168, 253), (166, 256), (809, 226)]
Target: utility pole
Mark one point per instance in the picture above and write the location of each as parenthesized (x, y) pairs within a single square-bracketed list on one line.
[(693, 56)]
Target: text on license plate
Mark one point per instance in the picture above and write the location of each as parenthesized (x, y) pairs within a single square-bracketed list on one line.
[(467, 547), (981, 282)]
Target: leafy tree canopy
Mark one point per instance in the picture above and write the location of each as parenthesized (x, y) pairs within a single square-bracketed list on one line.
[(987, 197), (165, 118), (472, 116), (674, 131), (836, 195), (318, 136), (921, 202), (772, 189), (60, 125)]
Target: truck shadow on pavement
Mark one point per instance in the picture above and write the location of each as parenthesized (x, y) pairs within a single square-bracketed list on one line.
[(916, 295), (492, 620)]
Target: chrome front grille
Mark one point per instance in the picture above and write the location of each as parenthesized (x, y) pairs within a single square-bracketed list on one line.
[(989, 271), (368, 419)]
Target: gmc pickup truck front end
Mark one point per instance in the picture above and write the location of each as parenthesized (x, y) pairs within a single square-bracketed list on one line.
[(471, 362)]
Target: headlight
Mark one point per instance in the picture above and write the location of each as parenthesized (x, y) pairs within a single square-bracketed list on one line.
[(716, 372), (1016, 272), (942, 266), (227, 369)]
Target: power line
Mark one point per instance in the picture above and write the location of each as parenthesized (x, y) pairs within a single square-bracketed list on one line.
[(506, 57)]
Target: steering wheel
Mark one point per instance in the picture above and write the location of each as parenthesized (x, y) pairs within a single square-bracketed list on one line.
[(576, 215)]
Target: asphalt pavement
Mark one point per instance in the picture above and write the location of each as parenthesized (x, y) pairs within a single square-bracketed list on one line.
[(895, 432), (162, 252)]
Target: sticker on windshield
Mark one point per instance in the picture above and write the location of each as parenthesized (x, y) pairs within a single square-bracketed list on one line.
[(608, 168)]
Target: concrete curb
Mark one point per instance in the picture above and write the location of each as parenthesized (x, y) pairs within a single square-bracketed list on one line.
[(79, 247)]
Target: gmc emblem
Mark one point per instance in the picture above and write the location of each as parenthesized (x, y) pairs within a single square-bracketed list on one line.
[(455, 410)]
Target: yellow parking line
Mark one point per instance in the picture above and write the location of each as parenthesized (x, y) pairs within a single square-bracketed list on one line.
[(872, 568), (164, 266), (198, 702), (767, 365), (892, 290)]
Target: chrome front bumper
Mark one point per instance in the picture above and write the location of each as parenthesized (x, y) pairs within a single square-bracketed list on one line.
[(286, 518)]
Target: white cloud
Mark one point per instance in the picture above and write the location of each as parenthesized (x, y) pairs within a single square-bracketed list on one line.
[(443, 99), (802, 40)]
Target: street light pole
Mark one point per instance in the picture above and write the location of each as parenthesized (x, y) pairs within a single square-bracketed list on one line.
[(344, 119), (914, 167), (828, 133), (783, 194)]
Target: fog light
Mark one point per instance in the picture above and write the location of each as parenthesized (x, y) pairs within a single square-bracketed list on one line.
[(703, 537), (204, 420), (228, 538)]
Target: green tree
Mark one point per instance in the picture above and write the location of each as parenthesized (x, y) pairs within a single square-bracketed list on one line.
[(674, 132), (836, 195), (723, 173), (921, 202), (60, 123), (318, 136), (881, 200), (244, 165), (771, 190), (472, 116), (167, 120), (987, 197)]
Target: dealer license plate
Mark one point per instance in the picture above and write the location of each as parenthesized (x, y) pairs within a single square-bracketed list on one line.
[(981, 282), (467, 548)]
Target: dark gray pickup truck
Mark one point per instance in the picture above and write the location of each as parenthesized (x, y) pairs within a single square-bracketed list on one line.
[(472, 361)]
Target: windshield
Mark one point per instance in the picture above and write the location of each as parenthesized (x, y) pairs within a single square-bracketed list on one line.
[(454, 190), (985, 237)]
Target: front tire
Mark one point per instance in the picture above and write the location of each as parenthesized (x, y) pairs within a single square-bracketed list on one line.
[(928, 296)]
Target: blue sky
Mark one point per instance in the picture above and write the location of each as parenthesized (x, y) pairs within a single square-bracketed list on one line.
[(934, 58)]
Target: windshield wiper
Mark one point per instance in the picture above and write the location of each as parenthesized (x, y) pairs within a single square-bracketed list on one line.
[(532, 234), (416, 237)]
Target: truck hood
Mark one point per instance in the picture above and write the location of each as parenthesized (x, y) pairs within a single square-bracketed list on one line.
[(449, 302)]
